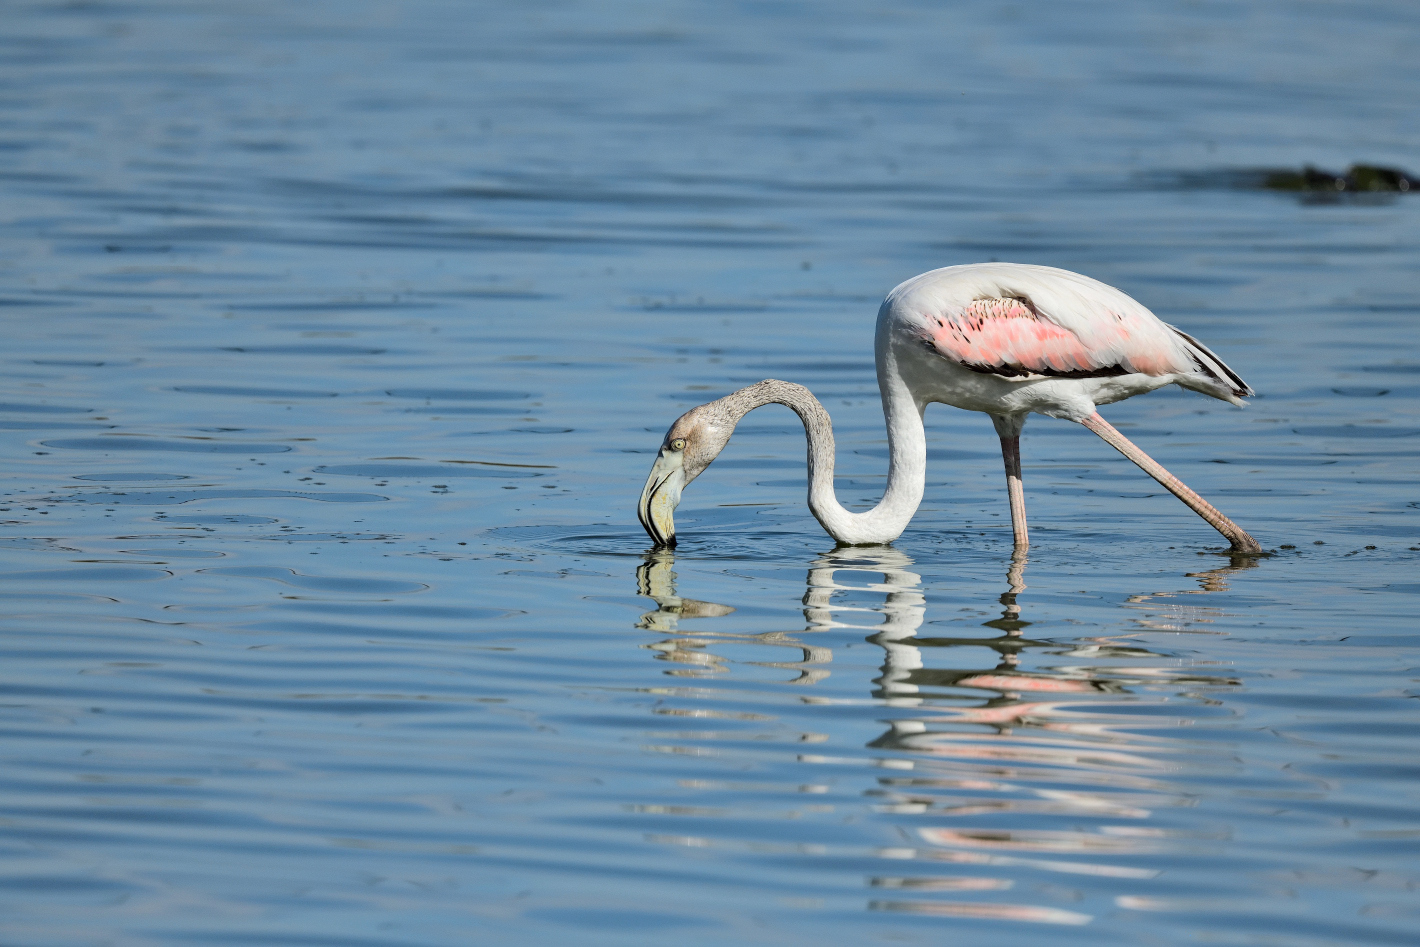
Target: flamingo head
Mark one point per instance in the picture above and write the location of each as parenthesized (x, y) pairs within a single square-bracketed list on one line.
[(694, 440)]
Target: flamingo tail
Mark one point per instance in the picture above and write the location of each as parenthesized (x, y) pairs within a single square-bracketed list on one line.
[(1226, 384)]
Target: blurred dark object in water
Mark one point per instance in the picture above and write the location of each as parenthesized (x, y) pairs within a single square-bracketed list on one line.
[(1367, 178), (1360, 177), (1365, 183)]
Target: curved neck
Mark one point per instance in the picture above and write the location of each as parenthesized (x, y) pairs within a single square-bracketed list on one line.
[(907, 459)]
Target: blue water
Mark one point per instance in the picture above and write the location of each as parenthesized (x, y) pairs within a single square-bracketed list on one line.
[(339, 339)]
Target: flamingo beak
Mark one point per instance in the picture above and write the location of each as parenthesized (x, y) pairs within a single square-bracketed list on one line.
[(661, 496)]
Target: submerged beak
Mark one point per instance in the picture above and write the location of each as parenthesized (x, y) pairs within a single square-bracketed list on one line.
[(661, 496)]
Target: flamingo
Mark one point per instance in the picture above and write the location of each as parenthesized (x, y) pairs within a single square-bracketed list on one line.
[(1007, 339)]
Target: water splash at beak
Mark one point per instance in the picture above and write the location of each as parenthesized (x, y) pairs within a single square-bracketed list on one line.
[(661, 496)]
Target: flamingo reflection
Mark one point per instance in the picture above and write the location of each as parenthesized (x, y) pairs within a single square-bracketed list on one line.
[(980, 756)]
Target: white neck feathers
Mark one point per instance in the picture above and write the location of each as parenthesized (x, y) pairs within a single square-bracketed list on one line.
[(907, 463)]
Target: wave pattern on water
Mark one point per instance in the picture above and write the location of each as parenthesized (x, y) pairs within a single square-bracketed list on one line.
[(261, 259)]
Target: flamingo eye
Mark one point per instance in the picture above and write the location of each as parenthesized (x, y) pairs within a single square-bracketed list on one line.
[(677, 444)]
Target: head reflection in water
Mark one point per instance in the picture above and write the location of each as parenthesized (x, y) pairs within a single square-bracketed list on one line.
[(656, 579), (1047, 754)]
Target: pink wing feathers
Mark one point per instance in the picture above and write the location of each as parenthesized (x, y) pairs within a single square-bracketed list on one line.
[(1022, 321), (1009, 336)]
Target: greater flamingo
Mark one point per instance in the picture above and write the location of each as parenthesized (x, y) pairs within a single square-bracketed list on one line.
[(1008, 339)]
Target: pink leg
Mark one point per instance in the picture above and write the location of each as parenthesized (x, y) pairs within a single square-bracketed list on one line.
[(1011, 453), (1241, 541)]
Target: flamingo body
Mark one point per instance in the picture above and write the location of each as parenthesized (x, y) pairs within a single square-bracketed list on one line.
[(1005, 339), (1011, 339)]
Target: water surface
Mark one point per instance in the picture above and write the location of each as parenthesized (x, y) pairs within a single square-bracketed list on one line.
[(338, 341)]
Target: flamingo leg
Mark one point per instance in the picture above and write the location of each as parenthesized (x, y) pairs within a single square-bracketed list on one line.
[(1011, 453), (1241, 541)]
